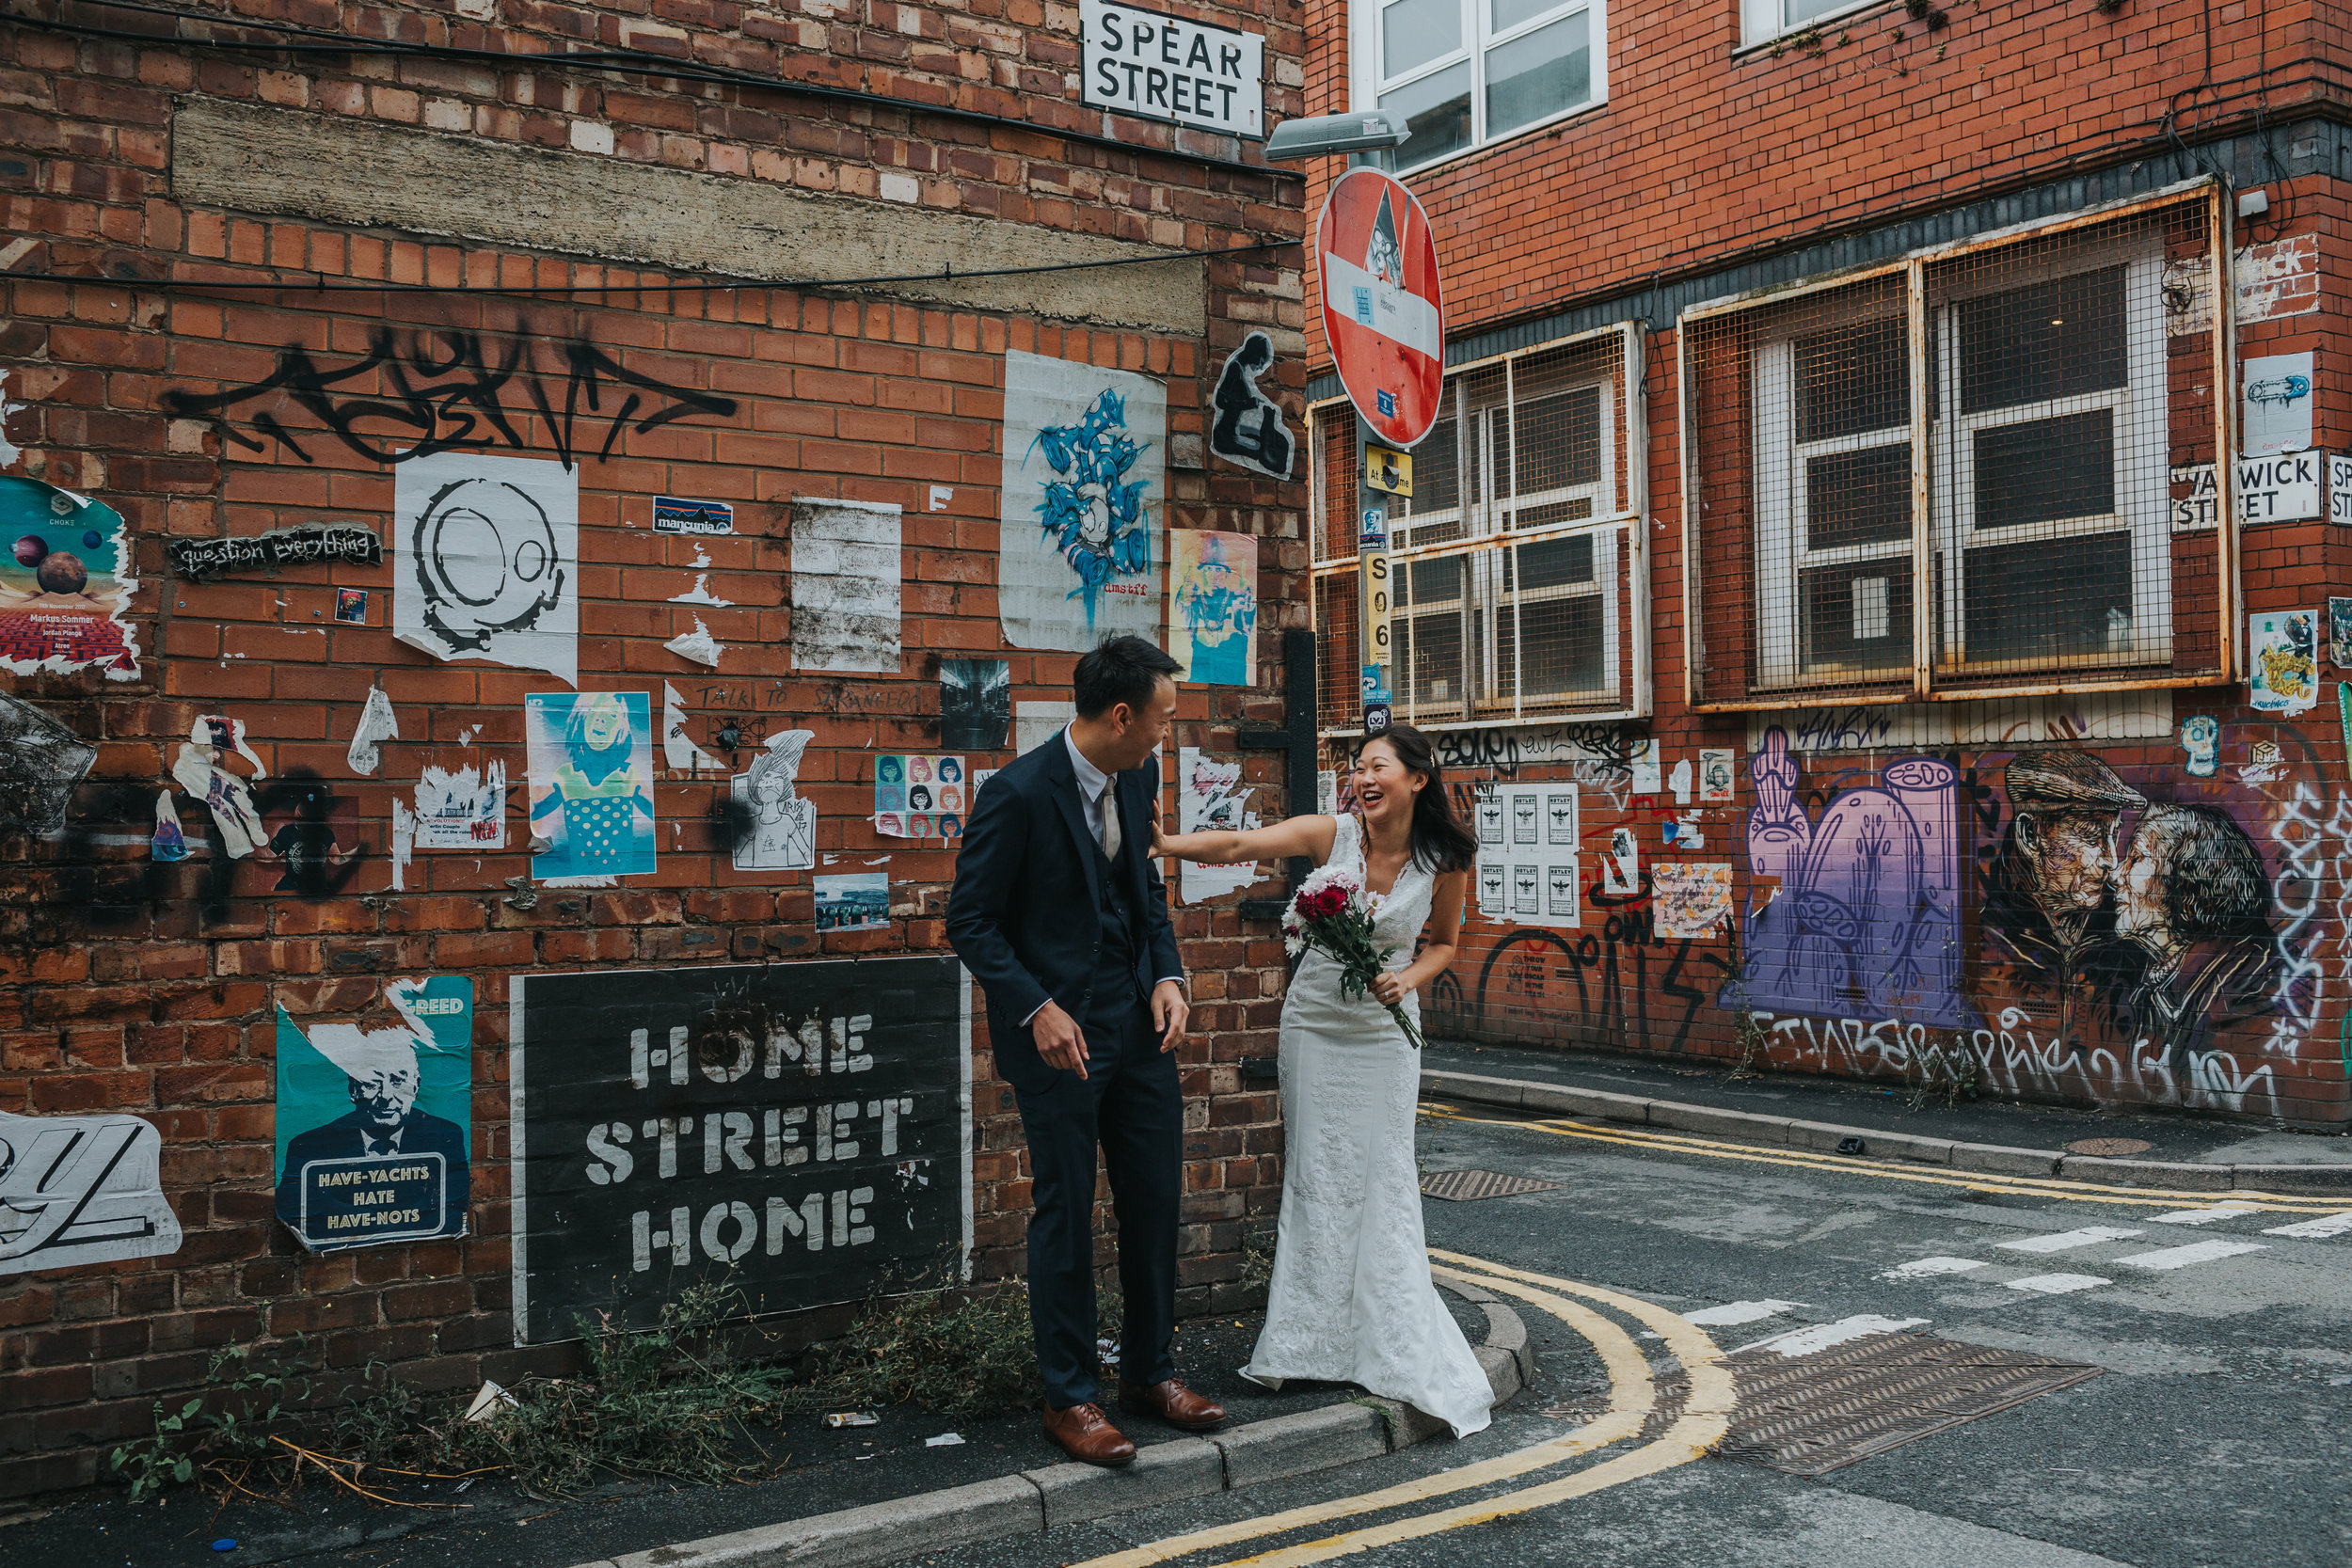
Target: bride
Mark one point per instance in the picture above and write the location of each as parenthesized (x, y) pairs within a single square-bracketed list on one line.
[(1352, 1300)]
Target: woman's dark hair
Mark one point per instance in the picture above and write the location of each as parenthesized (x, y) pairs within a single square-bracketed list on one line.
[(1439, 840), (1121, 670)]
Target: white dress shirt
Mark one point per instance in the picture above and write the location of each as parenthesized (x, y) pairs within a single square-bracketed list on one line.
[(1093, 790)]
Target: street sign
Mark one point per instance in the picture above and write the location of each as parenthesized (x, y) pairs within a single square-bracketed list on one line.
[(1391, 472), (1383, 313)]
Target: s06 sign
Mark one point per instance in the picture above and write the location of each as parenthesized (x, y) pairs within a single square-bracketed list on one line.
[(1138, 62)]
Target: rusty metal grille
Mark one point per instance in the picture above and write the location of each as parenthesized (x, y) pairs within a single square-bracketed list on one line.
[(1814, 1413), (1957, 477), (1469, 1186), (1516, 562)]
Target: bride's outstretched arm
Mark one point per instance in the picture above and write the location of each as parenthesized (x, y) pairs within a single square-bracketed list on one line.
[(1294, 835), (1436, 956)]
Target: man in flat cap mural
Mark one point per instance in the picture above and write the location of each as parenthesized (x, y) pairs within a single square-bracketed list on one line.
[(2050, 905)]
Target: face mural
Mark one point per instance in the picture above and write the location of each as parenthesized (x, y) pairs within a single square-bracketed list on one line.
[(2142, 933)]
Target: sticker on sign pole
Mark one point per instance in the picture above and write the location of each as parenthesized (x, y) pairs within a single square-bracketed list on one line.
[(1383, 311)]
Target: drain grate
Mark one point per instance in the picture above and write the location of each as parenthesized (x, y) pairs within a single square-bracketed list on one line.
[(1465, 1186), (1823, 1412)]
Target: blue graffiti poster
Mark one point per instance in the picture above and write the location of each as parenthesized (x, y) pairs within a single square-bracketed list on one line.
[(590, 786), (373, 1140), (1085, 478)]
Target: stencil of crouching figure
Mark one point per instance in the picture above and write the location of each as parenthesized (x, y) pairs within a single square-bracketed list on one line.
[(2191, 899)]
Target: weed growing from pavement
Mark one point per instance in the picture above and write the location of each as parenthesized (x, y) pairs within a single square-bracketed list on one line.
[(230, 1422), (1941, 1076), (957, 1354)]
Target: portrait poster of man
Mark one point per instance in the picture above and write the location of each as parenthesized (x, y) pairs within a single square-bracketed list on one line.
[(373, 1117)]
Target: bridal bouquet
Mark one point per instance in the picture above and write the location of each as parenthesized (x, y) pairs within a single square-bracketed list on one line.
[(1333, 914)]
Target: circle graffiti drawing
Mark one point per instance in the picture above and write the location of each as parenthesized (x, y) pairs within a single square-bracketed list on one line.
[(486, 561)]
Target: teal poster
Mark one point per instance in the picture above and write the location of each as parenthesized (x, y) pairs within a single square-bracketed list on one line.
[(374, 1140), (590, 786), (63, 592)]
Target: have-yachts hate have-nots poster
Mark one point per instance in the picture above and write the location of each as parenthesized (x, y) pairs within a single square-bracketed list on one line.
[(1084, 481)]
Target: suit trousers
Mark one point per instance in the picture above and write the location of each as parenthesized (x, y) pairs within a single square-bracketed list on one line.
[(1129, 1105)]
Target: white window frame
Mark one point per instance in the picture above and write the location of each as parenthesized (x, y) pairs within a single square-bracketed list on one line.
[(2143, 473), (1368, 77), (1762, 20)]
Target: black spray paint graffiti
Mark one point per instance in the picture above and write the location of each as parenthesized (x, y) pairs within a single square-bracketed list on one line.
[(446, 393), (1506, 750), (1249, 431), (1597, 984), (488, 561)]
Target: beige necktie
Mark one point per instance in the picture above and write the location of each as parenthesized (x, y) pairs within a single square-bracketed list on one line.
[(1111, 840)]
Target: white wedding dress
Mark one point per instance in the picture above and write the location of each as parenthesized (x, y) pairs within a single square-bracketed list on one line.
[(1352, 1300)]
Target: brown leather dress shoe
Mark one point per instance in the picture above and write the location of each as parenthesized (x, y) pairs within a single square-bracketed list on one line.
[(1172, 1402), (1086, 1434)]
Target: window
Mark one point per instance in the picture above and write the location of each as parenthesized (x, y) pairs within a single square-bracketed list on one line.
[(1465, 73), (1512, 562), (2054, 407), (1763, 21)]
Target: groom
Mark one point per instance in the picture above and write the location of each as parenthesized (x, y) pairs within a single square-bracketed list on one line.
[(1059, 913)]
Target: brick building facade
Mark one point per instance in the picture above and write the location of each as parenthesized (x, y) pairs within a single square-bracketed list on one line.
[(1818, 573), (721, 299)]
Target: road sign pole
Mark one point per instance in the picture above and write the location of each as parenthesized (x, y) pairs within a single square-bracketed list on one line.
[(1376, 589)]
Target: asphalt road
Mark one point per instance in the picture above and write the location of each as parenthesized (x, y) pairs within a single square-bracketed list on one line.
[(2215, 1432)]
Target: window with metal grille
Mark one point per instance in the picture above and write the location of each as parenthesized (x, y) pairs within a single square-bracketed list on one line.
[(1951, 475), (1514, 565)]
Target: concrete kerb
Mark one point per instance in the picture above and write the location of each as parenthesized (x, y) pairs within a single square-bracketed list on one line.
[(1037, 1500), (1990, 1159)]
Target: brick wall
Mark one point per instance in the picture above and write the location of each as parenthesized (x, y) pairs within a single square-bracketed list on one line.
[(133, 985), (1707, 158)]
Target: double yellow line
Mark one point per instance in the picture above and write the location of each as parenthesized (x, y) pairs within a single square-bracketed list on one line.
[(1798, 1159), (1706, 1414)]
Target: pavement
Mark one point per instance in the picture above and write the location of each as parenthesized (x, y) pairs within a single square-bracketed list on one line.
[(2204, 1337)]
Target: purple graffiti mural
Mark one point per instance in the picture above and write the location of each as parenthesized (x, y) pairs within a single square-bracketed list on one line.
[(1865, 920)]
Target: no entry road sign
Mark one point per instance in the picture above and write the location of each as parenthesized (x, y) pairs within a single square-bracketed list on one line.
[(1382, 310)]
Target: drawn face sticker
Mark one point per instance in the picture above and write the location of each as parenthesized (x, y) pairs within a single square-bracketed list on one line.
[(2200, 737), (604, 725), (486, 561), (919, 769), (950, 770), (890, 770), (919, 798)]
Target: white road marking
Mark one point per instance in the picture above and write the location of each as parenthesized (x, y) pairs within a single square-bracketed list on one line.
[(1742, 1311), (2181, 1256), (1819, 1336), (2057, 1284), (2207, 1214), (1925, 1267), (2326, 1225), (2067, 1240)]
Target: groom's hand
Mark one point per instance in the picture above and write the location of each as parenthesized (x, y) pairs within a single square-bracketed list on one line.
[(1059, 1039), (1169, 1013)]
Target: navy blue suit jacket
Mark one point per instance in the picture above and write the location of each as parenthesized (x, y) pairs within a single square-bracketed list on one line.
[(1021, 916)]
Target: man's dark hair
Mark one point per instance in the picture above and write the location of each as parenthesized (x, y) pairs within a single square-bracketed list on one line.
[(1121, 670)]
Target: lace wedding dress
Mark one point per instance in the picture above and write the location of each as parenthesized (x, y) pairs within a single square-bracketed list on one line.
[(1352, 1300)]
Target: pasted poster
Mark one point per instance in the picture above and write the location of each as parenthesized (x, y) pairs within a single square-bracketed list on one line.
[(1528, 869), (1715, 773), (2282, 661), (1690, 900), (464, 810), (975, 703), (845, 586), (591, 785), (76, 1190), (775, 828), (1210, 798), (920, 797), (2277, 411), (853, 901), (1083, 479), (1213, 607), (1035, 724), (40, 764), (65, 585), (374, 1140), (800, 1132), (485, 560)]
